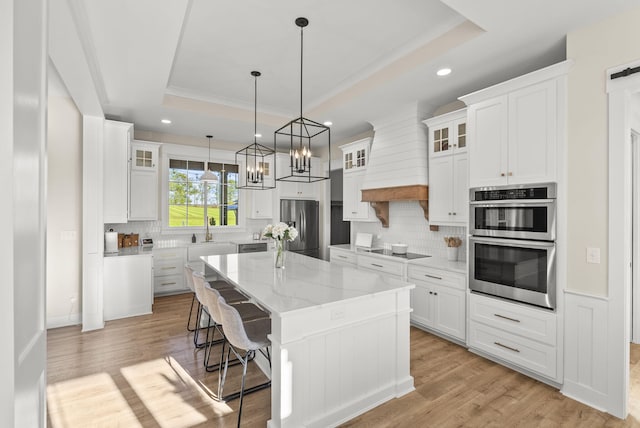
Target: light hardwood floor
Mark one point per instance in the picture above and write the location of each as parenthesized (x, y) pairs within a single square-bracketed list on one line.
[(144, 372)]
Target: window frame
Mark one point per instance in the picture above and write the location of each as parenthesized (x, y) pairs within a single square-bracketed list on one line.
[(191, 153)]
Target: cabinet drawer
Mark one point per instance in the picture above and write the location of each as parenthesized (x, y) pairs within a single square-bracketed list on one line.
[(342, 256), (168, 284), (529, 354), (381, 265), (437, 276), (531, 323), (168, 266), (169, 253)]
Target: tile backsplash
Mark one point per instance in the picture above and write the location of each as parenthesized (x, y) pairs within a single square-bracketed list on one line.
[(407, 225)]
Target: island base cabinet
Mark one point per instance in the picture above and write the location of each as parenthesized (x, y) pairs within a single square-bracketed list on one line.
[(338, 360), (128, 289)]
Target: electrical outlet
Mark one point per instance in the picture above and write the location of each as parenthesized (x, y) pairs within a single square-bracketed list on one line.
[(593, 255), (68, 235)]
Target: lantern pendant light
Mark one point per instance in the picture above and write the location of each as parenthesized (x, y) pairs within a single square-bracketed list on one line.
[(300, 133), (258, 159), (209, 176)]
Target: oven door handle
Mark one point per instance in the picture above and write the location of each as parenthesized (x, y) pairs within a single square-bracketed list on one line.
[(513, 202), (512, 242)]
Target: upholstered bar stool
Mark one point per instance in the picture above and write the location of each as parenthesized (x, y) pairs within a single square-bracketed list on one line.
[(230, 294), (248, 312), (188, 276), (244, 339)]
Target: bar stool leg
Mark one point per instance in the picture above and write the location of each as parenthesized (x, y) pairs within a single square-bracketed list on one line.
[(193, 301)]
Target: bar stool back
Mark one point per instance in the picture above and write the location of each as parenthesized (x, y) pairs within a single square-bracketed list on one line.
[(249, 336)]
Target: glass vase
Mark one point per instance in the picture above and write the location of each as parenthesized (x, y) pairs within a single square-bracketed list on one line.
[(279, 255)]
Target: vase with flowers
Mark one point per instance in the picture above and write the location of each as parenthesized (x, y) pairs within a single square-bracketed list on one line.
[(453, 242), (280, 233)]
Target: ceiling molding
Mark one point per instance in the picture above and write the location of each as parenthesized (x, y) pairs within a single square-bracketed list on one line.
[(429, 51)]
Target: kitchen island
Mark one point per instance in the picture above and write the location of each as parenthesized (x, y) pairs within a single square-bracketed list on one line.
[(339, 336)]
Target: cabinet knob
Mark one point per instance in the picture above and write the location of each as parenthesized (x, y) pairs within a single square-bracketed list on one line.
[(430, 292), (449, 213), (454, 213), (510, 174), (502, 174), (435, 294)]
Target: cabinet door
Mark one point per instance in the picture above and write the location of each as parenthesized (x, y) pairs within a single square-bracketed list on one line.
[(440, 189), (116, 185), (127, 286), (460, 188), (421, 304), (353, 207), (143, 195), (532, 134), (260, 203), (488, 131), (449, 312)]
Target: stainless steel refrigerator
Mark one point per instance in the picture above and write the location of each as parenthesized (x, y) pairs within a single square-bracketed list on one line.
[(304, 216)]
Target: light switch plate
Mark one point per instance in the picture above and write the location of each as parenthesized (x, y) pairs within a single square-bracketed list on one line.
[(593, 255)]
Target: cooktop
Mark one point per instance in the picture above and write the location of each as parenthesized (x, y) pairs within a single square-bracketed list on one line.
[(408, 256)]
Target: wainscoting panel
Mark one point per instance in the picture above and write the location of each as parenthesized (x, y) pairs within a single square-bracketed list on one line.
[(585, 377)]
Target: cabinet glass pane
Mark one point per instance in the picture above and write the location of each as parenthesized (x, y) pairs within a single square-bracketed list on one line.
[(441, 140), (462, 135)]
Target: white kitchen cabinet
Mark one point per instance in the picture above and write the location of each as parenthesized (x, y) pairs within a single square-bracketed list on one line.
[(128, 287), (517, 334), (448, 169), (342, 257), (438, 301), (355, 157), (259, 203), (117, 136), (143, 181), (513, 131), (353, 209), (168, 270)]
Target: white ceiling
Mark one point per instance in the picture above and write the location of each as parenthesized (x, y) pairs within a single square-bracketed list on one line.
[(190, 60)]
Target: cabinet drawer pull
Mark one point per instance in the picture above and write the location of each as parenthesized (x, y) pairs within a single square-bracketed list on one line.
[(432, 276), (168, 267), (168, 283), (507, 347), (342, 257), (506, 318), (354, 212), (373, 264)]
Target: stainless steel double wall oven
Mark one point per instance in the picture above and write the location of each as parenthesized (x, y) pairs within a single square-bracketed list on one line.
[(512, 247)]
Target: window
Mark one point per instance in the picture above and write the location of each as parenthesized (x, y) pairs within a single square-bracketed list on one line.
[(191, 201)]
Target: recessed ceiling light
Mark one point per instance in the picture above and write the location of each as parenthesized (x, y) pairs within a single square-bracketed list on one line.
[(328, 123), (165, 121), (258, 135), (444, 71)]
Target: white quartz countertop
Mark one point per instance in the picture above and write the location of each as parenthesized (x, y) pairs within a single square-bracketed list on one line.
[(131, 251), (304, 283), (441, 263), (434, 262)]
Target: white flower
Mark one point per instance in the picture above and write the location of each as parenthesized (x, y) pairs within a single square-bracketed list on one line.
[(281, 232)]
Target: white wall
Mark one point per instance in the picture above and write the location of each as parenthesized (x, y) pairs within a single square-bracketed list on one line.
[(64, 206), (594, 49)]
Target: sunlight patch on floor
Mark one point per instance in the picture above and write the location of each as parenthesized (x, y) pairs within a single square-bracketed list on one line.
[(171, 395), (95, 398), (154, 393)]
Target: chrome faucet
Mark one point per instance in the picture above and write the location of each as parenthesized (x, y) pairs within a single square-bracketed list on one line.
[(208, 236)]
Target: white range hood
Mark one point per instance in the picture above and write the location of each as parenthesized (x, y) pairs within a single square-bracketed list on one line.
[(397, 169)]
